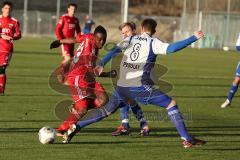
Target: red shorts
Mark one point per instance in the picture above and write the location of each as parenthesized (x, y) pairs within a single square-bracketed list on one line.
[(5, 58), (85, 93), (67, 50)]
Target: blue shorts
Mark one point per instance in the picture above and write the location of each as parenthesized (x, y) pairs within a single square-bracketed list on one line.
[(238, 70), (144, 95)]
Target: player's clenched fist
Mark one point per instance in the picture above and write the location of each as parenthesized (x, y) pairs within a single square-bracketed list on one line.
[(198, 34), (55, 44)]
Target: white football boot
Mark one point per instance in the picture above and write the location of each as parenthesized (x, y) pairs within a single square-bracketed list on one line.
[(69, 134), (226, 104)]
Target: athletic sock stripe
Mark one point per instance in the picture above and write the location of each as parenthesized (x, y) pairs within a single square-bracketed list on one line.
[(173, 112)]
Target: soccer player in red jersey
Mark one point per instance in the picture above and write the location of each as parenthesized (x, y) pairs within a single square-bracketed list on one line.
[(67, 27), (86, 92), (9, 31)]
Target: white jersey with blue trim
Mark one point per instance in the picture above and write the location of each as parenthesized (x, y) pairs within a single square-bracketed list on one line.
[(139, 56)]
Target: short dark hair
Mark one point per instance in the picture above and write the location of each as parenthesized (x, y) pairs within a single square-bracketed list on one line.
[(7, 3), (100, 29), (132, 25), (72, 4), (149, 25)]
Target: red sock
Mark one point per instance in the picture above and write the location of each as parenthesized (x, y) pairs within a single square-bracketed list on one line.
[(3, 79), (75, 114), (72, 118)]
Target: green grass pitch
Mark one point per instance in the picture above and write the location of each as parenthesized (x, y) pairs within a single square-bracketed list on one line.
[(201, 80)]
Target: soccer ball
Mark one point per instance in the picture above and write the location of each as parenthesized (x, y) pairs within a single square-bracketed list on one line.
[(46, 135)]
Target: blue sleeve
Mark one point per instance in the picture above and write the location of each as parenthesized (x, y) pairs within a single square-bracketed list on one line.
[(238, 48), (174, 47), (116, 50)]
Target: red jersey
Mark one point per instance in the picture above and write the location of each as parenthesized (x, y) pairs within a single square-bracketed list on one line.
[(9, 26), (67, 26), (85, 56)]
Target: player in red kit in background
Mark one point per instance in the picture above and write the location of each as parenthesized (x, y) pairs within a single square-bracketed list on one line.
[(9, 31), (67, 27)]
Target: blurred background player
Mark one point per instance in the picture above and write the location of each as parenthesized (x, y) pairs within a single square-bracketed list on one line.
[(236, 81), (10, 31), (86, 92), (88, 24), (67, 27), (129, 29)]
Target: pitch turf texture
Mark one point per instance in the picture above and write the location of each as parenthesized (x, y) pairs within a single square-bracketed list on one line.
[(201, 80)]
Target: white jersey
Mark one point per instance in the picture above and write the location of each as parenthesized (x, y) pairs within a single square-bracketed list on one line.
[(139, 56)]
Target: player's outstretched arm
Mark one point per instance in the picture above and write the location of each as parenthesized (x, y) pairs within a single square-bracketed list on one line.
[(174, 47), (57, 43), (99, 69), (116, 50), (110, 74)]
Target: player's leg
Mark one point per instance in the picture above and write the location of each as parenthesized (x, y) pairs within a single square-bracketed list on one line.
[(93, 116), (100, 96), (233, 89), (124, 113), (96, 97), (3, 79), (150, 95), (162, 100), (4, 61), (71, 50), (81, 102), (124, 128), (98, 114), (136, 109), (66, 53), (78, 111)]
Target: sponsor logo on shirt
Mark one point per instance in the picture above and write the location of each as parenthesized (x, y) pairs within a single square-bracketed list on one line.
[(131, 66), (71, 26), (141, 39), (6, 30)]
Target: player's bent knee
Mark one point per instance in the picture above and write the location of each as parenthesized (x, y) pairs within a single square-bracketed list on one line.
[(80, 112), (2, 69), (102, 99), (171, 104)]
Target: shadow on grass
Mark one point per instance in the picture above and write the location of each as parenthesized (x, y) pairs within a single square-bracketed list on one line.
[(155, 132), (222, 149), (224, 96), (97, 142)]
